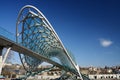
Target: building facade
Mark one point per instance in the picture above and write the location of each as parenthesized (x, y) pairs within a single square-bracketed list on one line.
[(104, 76)]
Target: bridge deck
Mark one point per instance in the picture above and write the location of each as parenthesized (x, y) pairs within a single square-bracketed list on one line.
[(4, 42)]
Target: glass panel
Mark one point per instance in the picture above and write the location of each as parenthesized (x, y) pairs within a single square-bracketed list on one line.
[(42, 41), (6, 34), (48, 45)]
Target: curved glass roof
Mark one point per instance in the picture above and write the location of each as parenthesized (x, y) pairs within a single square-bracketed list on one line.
[(37, 34)]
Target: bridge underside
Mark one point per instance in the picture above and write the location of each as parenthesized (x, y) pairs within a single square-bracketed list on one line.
[(37, 42), (4, 42)]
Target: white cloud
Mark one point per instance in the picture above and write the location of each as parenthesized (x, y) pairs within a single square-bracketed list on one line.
[(105, 42)]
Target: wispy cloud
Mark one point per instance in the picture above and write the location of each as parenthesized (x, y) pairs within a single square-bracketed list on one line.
[(105, 42)]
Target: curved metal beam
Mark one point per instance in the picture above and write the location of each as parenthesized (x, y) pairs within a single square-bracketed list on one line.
[(50, 27)]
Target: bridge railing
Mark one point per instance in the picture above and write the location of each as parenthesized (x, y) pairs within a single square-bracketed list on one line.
[(7, 34)]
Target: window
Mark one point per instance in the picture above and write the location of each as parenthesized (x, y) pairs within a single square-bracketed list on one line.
[(95, 77), (111, 76)]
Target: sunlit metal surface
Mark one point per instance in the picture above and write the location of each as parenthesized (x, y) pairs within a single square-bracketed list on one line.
[(34, 32)]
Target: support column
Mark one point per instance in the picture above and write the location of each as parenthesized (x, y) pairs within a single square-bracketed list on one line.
[(3, 60), (1, 48), (77, 67)]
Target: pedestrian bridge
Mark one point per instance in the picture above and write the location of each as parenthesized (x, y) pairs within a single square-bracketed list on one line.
[(36, 42)]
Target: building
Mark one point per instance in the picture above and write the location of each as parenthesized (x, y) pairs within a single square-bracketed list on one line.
[(104, 76)]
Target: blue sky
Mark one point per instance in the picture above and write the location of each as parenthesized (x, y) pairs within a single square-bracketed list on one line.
[(88, 28)]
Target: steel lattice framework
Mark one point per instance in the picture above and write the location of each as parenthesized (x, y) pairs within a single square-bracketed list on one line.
[(36, 33)]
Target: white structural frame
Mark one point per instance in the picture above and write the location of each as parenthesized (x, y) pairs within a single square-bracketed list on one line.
[(5, 57), (49, 26)]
